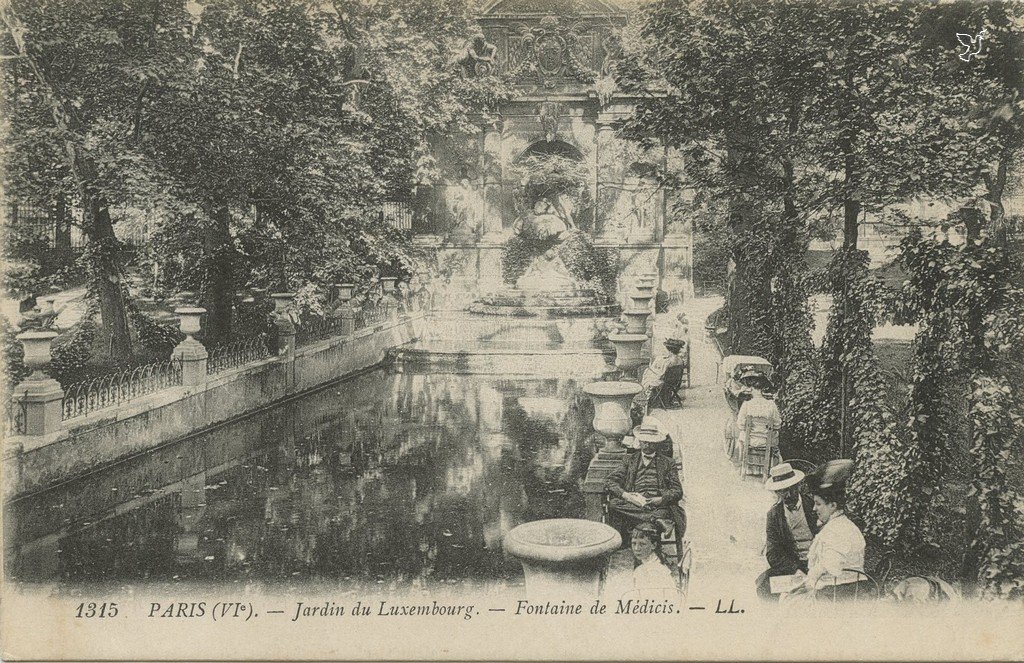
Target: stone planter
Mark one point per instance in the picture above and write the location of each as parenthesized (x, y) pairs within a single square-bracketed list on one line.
[(562, 557), (636, 321), (612, 401), (345, 291), (628, 350), (282, 302), (189, 319), (37, 351)]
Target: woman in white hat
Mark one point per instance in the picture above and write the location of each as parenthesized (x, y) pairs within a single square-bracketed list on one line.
[(835, 560)]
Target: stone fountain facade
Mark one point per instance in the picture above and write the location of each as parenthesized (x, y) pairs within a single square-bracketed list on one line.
[(566, 104)]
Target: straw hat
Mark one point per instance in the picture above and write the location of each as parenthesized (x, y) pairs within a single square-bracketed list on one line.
[(649, 430), (783, 476)]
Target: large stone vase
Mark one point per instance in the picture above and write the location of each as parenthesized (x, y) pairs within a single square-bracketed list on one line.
[(636, 320), (641, 299), (628, 351), (562, 558)]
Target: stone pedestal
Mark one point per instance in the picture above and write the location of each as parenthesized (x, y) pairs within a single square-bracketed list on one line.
[(562, 557), (190, 352), (36, 401), (36, 406)]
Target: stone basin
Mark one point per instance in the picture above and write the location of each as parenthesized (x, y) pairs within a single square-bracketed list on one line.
[(562, 556)]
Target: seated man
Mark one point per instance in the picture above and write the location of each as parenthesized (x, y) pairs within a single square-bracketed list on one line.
[(654, 376), (646, 487), (791, 526)]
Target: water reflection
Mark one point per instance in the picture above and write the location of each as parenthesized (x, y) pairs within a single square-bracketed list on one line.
[(404, 479)]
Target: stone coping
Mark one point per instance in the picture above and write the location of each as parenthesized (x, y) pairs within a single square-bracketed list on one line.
[(627, 338), (613, 388), (562, 540)]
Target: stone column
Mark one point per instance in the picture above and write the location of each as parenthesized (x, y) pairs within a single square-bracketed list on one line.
[(191, 353), (607, 169), (491, 182), (36, 400)]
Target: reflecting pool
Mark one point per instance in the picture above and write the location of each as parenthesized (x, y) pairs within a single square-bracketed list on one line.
[(395, 479)]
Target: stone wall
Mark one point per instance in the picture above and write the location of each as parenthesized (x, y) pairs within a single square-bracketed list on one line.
[(82, 444)]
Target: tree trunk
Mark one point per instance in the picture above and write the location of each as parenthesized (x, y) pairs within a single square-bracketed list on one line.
[(219, 292), (114, 331)]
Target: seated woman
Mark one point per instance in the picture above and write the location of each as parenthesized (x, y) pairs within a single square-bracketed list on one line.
[(651, 572), (836, 552), (761, 414)]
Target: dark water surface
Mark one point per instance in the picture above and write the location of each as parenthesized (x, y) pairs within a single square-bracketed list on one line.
[(407, 479)]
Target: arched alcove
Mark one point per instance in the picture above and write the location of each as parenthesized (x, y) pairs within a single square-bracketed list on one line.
[(558, 148)]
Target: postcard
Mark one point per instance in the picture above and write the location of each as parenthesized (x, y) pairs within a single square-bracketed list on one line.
[(512, 330)]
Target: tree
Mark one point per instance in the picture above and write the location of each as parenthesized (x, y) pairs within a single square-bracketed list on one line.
[(73, 71)]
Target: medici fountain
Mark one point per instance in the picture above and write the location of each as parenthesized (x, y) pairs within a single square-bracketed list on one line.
[(477, 451)]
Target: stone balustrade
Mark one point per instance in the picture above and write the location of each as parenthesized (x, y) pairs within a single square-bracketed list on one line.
[(39, 406)]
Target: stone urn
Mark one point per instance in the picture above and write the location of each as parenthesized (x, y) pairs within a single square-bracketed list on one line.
[(612, 401), (628, 350), (189, 320), (37, 351), (636, 320), (345, 291), (563, 557), (282, 302)]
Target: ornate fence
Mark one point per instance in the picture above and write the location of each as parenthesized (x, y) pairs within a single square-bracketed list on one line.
[(238, 353), (15, 419), (315, 329), (372, 315), (82, 398)]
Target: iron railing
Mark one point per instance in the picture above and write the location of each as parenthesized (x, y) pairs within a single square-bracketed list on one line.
[(397, 214), (373, 315), (238, 353), (17, 411), (313, 329), (105, 391)]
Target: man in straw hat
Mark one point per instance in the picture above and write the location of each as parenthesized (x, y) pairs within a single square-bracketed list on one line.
[(791, 526), (646, 486)]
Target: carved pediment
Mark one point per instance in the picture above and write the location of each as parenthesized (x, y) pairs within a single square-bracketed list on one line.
[(558, 7)]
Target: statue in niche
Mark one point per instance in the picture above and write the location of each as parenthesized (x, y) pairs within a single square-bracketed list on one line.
[(548, 221), (477, 56)]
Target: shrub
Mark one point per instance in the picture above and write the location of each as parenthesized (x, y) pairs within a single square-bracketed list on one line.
[(589, 264)]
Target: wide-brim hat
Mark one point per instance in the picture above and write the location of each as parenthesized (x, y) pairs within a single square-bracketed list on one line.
[(783, 476), (833, 473), (674, 343), (649, 430)]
